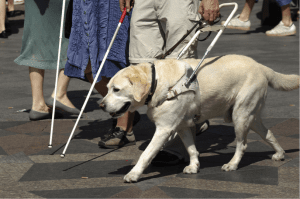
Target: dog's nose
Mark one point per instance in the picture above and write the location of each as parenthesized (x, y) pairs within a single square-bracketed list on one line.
[(102, 106)]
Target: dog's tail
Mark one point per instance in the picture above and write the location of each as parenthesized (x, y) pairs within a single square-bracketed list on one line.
[(280, 81)]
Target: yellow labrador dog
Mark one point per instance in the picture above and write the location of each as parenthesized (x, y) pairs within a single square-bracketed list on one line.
[(231, 86)]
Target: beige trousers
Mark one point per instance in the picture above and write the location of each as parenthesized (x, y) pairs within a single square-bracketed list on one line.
[(157, 25)]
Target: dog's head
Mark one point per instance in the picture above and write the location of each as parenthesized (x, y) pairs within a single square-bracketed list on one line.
[(127, 90)]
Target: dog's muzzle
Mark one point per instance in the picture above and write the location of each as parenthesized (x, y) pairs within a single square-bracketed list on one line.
[(121, 111)]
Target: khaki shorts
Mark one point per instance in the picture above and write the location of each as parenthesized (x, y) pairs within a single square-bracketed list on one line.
[(157, 25)]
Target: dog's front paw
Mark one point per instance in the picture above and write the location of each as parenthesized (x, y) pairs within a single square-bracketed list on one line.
[(191, 169), (229, 167), (278, 156), (131, 177)]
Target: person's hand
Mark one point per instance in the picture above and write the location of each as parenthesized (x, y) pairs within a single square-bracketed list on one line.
[(209, 10), (126, 3)]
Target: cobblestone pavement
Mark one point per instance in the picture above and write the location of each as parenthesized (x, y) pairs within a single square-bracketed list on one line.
[(28, 169)]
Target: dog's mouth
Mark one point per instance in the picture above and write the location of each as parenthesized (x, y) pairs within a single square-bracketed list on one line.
[(121, 111)]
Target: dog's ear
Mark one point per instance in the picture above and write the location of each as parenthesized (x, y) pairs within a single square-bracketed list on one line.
[(141, 86)]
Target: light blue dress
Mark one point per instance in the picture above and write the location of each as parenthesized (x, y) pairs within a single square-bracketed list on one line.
[(41, 35)]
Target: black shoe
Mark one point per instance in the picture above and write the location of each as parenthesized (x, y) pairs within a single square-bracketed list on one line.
[(164, 158), (7, 28), (136, 119), (117, 138), (10, 14), (3, 34)]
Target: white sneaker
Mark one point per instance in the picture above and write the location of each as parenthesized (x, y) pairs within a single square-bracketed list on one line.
[(236, 23), (18, 2), (282, 30)]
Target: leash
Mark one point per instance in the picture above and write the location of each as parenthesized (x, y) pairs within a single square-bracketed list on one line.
[(201, 23)]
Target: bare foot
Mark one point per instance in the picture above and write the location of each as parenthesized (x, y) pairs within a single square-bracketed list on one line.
[(40, 108)]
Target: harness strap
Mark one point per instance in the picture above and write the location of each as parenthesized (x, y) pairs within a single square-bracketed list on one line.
[(153, 84)]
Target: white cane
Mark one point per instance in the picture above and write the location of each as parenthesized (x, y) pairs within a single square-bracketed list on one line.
[(57, 71), (95, 80)]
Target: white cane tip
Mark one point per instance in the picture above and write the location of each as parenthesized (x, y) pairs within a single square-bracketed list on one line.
[(49, 146), (62, 155)]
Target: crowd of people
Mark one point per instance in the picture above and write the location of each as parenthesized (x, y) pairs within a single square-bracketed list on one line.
[(152, 28)]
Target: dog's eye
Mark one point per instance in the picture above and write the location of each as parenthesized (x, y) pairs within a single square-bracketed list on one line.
[(116, 90)]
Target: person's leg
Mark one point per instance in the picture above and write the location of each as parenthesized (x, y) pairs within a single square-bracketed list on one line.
[(286, 26), (126, 121), (245, 14), (2, 15), (286, 15), (241, 21), (10, 6), (176, 18), (146, 37), (62, 86), (37, 79)]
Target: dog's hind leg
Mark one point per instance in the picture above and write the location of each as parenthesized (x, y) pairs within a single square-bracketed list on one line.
[(160, 137), (188, 140), (242, 122), (267, 135)]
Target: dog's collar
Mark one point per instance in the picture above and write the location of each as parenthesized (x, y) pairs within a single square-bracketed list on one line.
[(153, 84)]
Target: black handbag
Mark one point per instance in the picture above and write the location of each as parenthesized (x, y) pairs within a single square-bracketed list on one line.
[(68, 20)]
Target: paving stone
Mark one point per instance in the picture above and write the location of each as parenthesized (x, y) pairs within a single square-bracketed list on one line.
[(28, 144), (289, 177), (271, 122), (287, 128), (80, 193), (198, 193), (77, 170), (296, 136), (221, 159), (30, 127), (253, 149), (16, 170), (6, 133), (249, 174), (271, 163), (10, 194), (154, 192), (5, 125), (132, 192), (145, 184), (74, 183), (2, 152), (292, 163), (76, 146), (16, 158)]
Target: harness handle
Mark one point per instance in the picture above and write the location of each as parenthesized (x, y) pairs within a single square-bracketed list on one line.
[(215, 39)]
